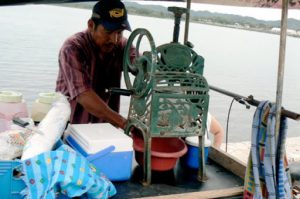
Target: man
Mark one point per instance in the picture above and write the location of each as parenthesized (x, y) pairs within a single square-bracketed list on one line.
[(90, 62), (215, 128)]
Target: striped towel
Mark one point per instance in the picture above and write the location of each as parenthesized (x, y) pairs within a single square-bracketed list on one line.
[(267, 174), (63, 172)]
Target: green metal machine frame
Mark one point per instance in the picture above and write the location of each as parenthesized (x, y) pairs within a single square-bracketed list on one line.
[(169, 95)]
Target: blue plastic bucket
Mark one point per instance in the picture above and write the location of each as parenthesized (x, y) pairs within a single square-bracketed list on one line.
[(191, 157)]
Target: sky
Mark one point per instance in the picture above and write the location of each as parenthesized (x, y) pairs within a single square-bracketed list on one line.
[(258, 13)]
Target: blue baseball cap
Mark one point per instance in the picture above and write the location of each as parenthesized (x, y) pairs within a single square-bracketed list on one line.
[(112, 14)]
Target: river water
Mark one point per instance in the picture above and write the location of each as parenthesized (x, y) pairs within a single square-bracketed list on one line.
[(242, 62)]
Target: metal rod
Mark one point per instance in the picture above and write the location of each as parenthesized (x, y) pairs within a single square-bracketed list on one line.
[(280, 73), (187, 21), (250, 100), (177, 17)]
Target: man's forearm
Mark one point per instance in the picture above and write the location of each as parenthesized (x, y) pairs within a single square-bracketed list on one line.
[(218, 137), (92, 103), (218, 132)]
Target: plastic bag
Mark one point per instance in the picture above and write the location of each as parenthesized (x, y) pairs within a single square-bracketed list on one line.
[(12, 143), (52, 127)]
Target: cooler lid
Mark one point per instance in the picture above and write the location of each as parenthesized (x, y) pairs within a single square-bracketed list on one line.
[(194, 140), (98, 136)]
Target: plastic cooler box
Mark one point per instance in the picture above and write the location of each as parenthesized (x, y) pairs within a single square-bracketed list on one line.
[(190, 159), (107, 147)]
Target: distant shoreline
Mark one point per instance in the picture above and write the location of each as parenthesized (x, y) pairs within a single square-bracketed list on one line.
[(135, 11), (247, 29)]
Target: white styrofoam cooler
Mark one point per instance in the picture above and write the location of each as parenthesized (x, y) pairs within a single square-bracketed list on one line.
[(106, 146)]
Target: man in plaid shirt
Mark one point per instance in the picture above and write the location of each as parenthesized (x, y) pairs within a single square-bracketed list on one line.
[(90, 62)]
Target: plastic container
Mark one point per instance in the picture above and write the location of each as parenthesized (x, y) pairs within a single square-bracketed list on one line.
[(164, 152), (11, 184), (12, 105), (107, 147), (191, 158), (42, 105)]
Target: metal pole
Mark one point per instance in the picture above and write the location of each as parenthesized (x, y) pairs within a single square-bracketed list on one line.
[(250, 100), (280, 74), (187, 21), (177, 17)]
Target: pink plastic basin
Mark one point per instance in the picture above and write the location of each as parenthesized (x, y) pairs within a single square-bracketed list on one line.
[(164, 152)]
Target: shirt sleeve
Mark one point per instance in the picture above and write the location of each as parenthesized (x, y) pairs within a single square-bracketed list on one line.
[(74, 70)]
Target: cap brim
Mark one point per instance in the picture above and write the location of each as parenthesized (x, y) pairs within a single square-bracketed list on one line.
[(124, 25)]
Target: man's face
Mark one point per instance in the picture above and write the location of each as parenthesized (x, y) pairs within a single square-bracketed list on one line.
[(104, 39)]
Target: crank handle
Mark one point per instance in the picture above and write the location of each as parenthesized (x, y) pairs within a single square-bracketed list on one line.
[(119, 91)]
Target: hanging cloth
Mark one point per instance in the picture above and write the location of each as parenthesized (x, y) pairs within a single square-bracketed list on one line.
[(267, 174)]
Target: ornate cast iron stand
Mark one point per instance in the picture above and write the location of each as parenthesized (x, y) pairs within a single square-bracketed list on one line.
[(169, 95)]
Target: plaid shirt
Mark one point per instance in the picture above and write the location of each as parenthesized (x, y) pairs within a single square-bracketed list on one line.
[(81, 68)]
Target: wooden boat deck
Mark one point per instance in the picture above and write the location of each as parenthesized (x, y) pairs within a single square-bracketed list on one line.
[(240, 150), (225, 172), (181, 182)]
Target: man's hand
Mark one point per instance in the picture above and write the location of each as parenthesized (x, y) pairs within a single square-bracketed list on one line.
[(136, 132), (92, 103)]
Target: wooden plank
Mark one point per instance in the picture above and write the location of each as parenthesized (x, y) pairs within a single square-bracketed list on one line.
[(220, 193), (228, 161)]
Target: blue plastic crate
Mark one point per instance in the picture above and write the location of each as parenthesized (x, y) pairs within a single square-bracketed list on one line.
[(10, 184)]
